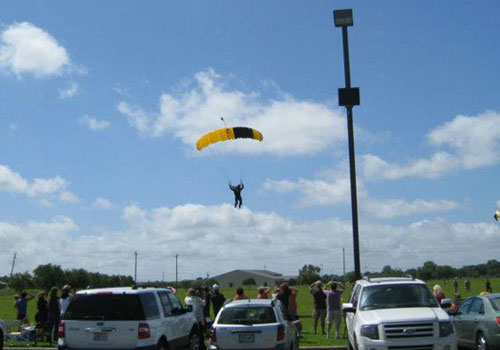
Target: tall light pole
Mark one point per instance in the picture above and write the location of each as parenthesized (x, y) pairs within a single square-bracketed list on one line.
[(349, 97)]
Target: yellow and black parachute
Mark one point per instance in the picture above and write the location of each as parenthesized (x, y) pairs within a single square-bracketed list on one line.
[(497, 215), (224, 134)]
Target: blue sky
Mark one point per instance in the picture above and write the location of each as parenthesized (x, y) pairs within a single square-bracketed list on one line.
[(102, 103)]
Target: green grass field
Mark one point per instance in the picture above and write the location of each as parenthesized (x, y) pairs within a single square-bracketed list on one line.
[(304, 302)]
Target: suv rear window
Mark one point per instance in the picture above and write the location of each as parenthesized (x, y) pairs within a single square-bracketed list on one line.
[(107, 307), (247, 315)]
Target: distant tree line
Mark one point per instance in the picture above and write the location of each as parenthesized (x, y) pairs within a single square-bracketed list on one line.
[(49, 275), (428, 271)]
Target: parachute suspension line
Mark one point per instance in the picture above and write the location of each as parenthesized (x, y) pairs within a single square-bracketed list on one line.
[(225, 126)]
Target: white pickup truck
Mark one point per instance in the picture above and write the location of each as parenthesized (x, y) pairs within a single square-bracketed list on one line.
[(397, 313)]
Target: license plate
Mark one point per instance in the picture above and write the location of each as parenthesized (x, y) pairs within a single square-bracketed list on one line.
[(100, 337), (246, 338)]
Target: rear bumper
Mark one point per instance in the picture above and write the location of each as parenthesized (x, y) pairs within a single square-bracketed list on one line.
[(277, 347), (150, 347)]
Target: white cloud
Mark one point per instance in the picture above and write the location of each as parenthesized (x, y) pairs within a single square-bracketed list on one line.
[(94, 124), (220, 238), (290, 126), (42, 189), (69, 92), (334, 188), (392, 208), (13, 127), (102, 204), (471, 142), (27, 49)]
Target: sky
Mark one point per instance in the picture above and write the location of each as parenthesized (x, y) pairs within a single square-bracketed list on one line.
[(102, 102)]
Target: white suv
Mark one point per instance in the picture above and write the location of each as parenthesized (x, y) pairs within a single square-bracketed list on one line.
[(127, 318), (397, 313)]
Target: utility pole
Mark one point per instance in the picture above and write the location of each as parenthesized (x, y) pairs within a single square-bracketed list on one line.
[(135, 269), (13, 264), (343, 264), (176, 275)]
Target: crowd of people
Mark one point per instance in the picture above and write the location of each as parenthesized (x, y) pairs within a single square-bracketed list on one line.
[(48, 312)]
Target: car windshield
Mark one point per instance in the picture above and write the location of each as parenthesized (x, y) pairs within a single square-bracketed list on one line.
[(247, 315), (124, 307), (396, 296), (495, 303)]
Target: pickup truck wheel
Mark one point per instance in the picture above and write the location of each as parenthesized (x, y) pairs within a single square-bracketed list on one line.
[(194, 340), (481, 343), (162, 345)]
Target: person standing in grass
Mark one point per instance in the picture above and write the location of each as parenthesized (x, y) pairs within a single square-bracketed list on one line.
[(217, 299), (65, 300), (22, 308), (53, 315), (319, 311), (333, 313)]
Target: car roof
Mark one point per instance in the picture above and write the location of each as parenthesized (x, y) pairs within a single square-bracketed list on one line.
[(250, 302), (367, 281), (120, 290)]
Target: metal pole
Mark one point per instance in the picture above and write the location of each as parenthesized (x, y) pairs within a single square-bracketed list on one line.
[(352, 161), (176, 278), (13, 264), (135, 268)]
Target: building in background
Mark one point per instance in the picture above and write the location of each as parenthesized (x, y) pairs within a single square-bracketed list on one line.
[(235, 278)]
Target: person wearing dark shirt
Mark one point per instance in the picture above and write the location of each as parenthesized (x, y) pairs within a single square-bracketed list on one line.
[(319, 311), (237, 194), (217, 299), (53, 314)]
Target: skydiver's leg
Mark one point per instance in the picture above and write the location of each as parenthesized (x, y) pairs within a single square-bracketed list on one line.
[(235, 201), (241, 202)]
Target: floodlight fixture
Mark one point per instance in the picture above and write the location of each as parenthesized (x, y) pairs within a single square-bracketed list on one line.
[(343, 18)]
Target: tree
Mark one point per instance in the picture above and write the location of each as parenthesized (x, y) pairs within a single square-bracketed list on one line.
[(308, 274), (48, 276), (250, 281), (21, 281)]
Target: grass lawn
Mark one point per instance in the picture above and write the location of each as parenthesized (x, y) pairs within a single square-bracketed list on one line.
[(304, 302)]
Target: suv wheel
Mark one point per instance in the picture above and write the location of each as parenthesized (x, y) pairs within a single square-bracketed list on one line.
[(162, 345), (194, 340), (481, 343)]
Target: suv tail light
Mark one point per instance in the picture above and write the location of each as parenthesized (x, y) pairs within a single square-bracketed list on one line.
[(60, 330), (498, 321), (281, 332), (143, 332), (212, 335)]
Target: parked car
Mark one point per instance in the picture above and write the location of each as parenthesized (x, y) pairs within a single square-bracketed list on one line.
[(397, 313), (3, 334), (477, 322), (253, 324), (127, 318)]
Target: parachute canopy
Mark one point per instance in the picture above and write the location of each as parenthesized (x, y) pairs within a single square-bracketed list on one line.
[(224, 134), (497, 215)]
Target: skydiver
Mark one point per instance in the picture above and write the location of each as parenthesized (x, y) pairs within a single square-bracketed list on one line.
[(237, 193)]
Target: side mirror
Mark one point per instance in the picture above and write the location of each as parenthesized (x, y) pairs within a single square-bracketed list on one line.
[(452, 312), (348, 307)]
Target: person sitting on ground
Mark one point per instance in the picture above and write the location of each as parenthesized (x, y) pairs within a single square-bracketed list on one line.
[(240, 294)]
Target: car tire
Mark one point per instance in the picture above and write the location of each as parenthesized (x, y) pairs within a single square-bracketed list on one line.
[(194, 340), (162, 344), (481, 342)]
